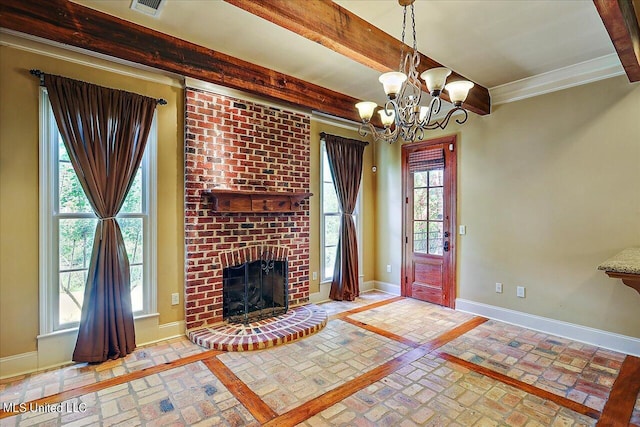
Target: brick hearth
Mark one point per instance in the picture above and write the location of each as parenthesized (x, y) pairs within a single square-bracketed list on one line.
[(239, 145)]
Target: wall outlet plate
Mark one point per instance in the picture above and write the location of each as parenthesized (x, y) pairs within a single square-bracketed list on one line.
[(388, 268), (498, 288), (314, 275), (175, 298), (520, 291), (462, 230)]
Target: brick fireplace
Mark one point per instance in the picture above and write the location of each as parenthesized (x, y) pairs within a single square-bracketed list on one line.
[(235, 145)]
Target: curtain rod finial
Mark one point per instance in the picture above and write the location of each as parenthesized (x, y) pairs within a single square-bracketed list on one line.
[(38, 74), (162, 101)]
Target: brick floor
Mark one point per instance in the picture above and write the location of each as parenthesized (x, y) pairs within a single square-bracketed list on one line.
[(287, 376), (40, 384), (424, 390), (402, 318), (635, 417), (182, 396), (433, 392), (580, 372)]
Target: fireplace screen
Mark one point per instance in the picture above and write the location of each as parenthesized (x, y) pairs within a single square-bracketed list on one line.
[(255, 290)]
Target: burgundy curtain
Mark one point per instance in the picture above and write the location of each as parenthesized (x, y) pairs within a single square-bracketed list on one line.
[(345, 160), (105, 132)]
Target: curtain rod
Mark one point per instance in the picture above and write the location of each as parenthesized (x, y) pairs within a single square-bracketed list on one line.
[(40, 74)]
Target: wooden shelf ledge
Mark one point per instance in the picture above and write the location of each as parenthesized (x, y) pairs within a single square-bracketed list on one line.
[(225, 200)]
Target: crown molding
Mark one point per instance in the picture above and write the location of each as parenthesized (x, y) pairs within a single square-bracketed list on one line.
[(582, 73)]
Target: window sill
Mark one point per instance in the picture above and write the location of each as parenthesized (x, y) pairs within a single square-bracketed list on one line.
[(74, 330)]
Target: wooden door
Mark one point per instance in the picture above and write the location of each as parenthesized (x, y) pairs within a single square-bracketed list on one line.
[(429, 220)]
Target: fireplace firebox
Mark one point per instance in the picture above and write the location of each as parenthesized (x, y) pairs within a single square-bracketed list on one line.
[(255, 289)]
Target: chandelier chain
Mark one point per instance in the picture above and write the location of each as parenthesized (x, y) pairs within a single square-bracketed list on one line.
[(413, 24)]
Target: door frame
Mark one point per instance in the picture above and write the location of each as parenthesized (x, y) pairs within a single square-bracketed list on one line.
[(450, 176)]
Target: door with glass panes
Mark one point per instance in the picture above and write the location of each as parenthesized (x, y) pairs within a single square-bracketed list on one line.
[(429, 196)]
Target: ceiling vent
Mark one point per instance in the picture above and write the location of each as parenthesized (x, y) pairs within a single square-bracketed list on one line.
[(149, 7)]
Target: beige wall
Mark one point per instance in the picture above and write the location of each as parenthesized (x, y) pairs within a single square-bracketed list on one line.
[(19, 124), (19, 322), (368, 201), (548, 188)]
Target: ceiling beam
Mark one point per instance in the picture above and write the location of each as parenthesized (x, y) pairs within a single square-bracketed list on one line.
[(334, 27), (76, 25), (621, 21)]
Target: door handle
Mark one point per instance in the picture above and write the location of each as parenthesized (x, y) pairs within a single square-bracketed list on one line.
[(446, 246)]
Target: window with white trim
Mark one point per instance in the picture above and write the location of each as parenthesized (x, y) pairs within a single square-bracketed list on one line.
[(68, 224), (330, 220)]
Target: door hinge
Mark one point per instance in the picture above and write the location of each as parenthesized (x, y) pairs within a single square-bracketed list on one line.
[(406, 200), (406, 239), (406, 280)]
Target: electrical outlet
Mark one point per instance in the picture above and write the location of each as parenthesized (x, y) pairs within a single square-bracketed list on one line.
[(520, 291), (498, 288), (388, 268), (314, 275), (175, 298), (462, 230)]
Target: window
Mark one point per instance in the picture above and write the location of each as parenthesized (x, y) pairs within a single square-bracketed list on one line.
[(68, 225), (330, 221)]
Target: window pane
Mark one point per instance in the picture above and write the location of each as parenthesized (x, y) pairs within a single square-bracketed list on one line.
[(136, 288), (436, 178), (329, 198), (331, 230), (75, 242), (436, 208), (71, 295), (326, 169), (419, 179), (420, 237), (133, 201), (72, 197), (435, 238), (420, 206), (329, 261), (132, 234)]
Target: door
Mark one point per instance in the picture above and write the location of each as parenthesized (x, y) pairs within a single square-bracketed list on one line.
[(429, 221)]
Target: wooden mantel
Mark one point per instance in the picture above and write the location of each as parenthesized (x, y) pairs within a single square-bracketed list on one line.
[(225, 200), (625, 266)]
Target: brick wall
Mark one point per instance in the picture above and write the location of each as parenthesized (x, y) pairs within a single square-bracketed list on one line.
[(240, 145)]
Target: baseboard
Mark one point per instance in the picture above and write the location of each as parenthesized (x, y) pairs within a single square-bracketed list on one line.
[(322, 295), (597, 337), (367, 286), (19, 364), (389, 288), (55, 350)]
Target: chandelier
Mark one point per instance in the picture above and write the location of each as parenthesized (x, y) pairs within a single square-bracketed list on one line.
[(402, 115)]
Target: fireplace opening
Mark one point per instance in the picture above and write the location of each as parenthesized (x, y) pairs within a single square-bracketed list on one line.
[(256, 289)]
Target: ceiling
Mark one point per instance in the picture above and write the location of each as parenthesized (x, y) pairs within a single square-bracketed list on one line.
[(492, 42)]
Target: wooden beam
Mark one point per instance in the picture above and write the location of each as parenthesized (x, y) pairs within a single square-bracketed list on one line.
[(334, 27), (76, 25), (621, 21)]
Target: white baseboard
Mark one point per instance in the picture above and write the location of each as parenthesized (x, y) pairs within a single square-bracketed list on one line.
[(11, 366), (368, 286), (323, 294), (597, 337), (389, 288), (56, 349)]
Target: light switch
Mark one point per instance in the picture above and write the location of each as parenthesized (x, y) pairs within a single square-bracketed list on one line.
[(463, 229)]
